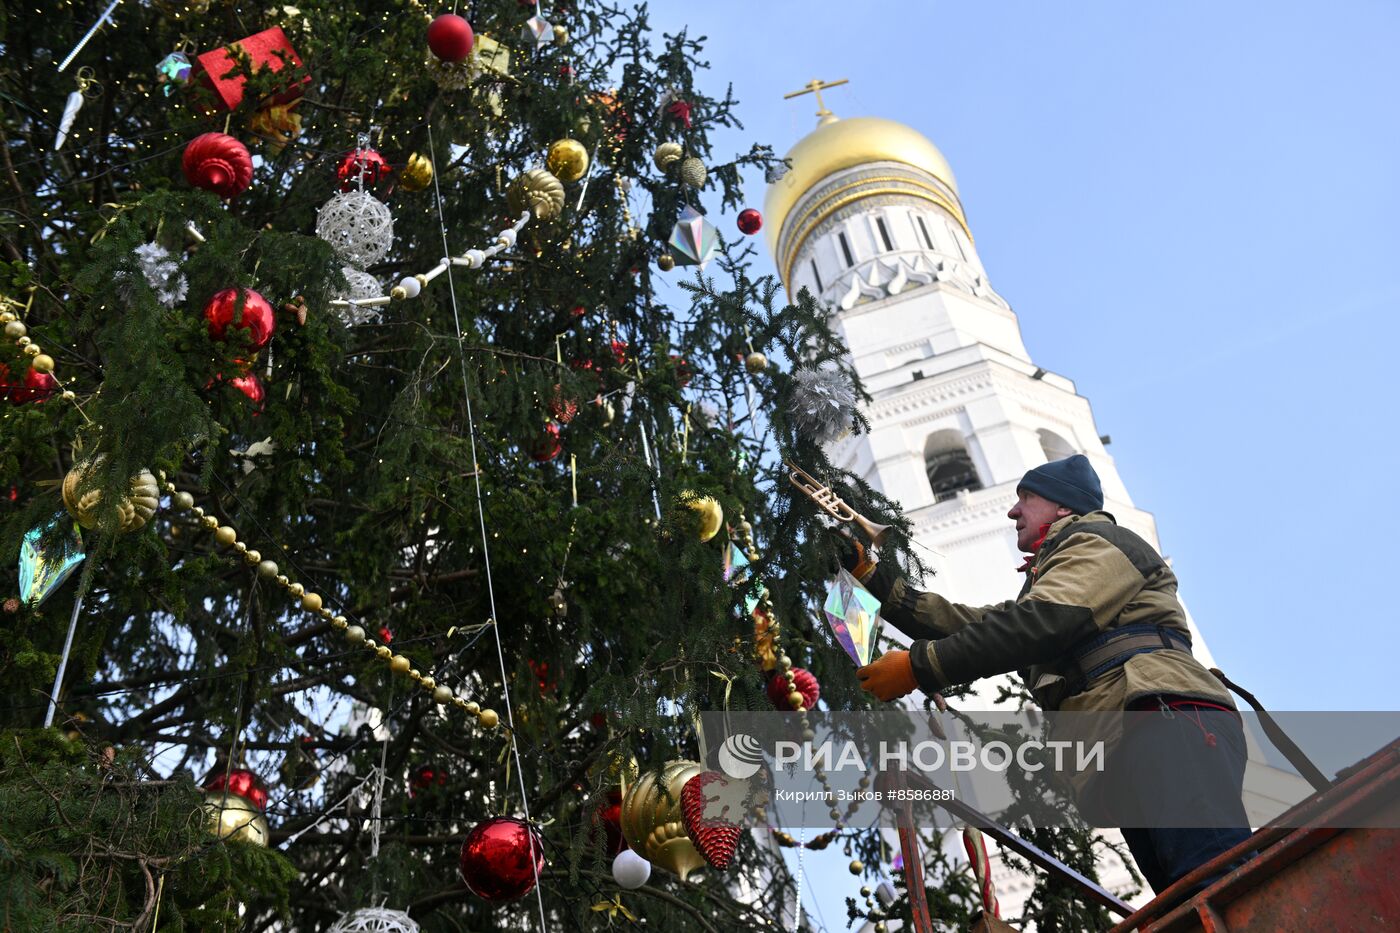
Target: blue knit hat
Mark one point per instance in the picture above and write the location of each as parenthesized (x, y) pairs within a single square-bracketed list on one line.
[(1070, 482)]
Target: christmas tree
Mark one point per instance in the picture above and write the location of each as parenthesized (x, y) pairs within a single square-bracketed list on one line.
[(386, 401)]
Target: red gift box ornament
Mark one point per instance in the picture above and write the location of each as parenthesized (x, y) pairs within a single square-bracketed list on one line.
[(267, 49)]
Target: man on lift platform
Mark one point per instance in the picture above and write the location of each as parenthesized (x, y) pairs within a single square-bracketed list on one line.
[(1097, 628)]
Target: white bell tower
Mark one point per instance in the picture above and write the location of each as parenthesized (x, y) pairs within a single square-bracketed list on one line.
[(869, 220)]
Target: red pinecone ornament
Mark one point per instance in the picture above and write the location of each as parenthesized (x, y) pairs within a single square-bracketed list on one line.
[(715, 836)]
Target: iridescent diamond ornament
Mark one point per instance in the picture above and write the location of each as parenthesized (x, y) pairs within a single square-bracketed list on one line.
[(48, 556), (539, 31), (694, 238), (851, 611), (735, 562), (173, 70)]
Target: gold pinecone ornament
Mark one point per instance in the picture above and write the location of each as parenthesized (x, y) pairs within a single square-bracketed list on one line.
[(538, 191), (417, 174), (84, 502), (651, 819)]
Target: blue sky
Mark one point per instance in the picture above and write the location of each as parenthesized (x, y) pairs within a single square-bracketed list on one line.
[(1192, 208)]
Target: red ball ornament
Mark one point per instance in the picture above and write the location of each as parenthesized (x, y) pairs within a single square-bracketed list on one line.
[(802, 681), (609, 815), (547, 446), (244, 783), (258, 317), (501, 859), (750, 221), (450, 37), (619, 351), (426, 778), (250, 385), (219, 163), (34, 387), (361, 168)]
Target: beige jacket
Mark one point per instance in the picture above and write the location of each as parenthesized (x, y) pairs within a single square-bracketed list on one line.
[(1089, 576)]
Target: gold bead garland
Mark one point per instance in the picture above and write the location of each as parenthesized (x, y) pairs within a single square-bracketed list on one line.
[(313, 603), (798, 703), (17, 331)]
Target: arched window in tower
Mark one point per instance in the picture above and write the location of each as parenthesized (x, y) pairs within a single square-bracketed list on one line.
[(957, 241), (949, 466), (1054, 446), (884, 234), (846, 250), (923, 229)]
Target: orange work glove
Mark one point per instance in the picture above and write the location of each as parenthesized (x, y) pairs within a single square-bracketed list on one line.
[(889, 677)]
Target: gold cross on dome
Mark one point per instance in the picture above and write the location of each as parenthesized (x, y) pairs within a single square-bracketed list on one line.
[(816, 86)]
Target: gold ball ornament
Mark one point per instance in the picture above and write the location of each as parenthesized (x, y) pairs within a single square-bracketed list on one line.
[(42, 363), (667, 155), (665, 262), (568, 160), (182, 501), (856, 866), (693, 172), (488, 718), (442, 695), (229, 816), (561, 35), (133, 511), (15, 330), (267, 569), (538, 191), (354, 634), (651, 818), (755, 363), (225, 535), (710, 512), (417, 174), (311, 602), (399, 664)]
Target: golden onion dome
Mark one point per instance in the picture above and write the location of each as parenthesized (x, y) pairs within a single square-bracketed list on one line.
[(838, 144)]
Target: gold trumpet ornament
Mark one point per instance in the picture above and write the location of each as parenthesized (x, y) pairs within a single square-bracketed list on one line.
[(833, 505)]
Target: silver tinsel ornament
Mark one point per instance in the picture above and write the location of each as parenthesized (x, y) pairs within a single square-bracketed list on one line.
[(362, 285), (161, 273), (823, 403), (375, 920), (358, 227)]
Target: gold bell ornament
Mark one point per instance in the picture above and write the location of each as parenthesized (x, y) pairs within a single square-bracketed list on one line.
[(667, 155), (85, 505), (538, 191), (652, 822)]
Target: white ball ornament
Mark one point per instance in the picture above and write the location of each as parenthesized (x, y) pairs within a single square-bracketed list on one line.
[(358, 227), (375, 920), (630, 870)]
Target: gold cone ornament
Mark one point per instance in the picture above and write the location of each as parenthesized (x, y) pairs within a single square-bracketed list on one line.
[(567, 160), (417, 174), (233, 817), (651, 819), (693, 172), (84, 502), (538, 191)]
